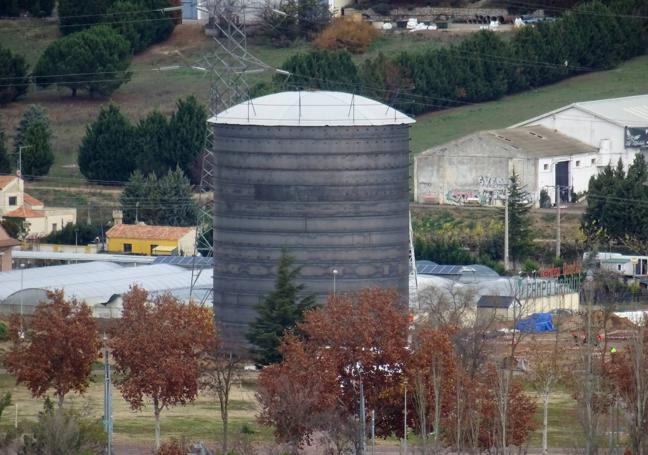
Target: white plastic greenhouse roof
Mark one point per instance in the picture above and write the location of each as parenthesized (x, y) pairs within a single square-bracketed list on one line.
[(97, 282), (311, 108)]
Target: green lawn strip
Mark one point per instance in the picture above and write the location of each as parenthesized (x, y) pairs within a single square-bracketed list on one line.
[(440, 127)]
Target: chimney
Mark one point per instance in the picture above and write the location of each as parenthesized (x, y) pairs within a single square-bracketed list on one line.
[(118, 217)]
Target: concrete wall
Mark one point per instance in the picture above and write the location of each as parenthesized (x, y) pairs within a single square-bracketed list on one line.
[(57, 217), (545, 304), (471, 170), (581, 168), (13, 189)]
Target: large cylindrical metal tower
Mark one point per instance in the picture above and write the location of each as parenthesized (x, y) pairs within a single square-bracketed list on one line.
[(324, 175)]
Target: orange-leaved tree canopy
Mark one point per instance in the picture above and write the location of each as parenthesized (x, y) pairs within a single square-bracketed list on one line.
[(157, 345), (56, 350)]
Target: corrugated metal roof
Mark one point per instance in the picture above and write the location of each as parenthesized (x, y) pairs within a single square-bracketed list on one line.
[(311, 108), (495, 301), (625, 111), (146, 232), (539, 141), (86, 257)]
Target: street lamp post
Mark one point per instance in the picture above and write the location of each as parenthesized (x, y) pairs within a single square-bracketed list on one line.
[(107, 417), (335, 273)]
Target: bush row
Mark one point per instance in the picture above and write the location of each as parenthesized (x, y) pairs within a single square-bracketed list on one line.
[(485, 66)]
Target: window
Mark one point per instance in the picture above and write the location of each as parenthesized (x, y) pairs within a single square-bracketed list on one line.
[(593, 161), (54, 227), (619, 267), (577, 163), (545, 167), (128, 248), (13, 200), (153, 247)]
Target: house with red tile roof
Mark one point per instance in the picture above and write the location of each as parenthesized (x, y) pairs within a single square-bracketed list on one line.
[(40, 220), (151, 240)]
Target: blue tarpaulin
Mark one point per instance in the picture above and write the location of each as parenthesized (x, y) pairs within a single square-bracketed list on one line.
[(537, 322)]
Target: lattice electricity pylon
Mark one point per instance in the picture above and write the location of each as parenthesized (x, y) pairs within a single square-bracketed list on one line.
[(228, 66)]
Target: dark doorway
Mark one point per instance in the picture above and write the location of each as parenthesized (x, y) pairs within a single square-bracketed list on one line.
[(562, 180)]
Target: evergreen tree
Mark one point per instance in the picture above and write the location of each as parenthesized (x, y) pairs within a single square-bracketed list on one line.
[(13, 73), (133, 196), (137, 21), (177, 206), (165, 201), (37, 156), (519, 222), (77, 15), (96, 60), (279, 312), (187, 131), (9, 8), (153, 144), (107, 149), (35, 113), (5, 161)]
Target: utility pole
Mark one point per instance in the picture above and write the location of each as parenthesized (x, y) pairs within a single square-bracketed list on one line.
[(506, 231), (405, 423), (589, 392), (107, 418), (363, 419), (558, 221), (373, 431)]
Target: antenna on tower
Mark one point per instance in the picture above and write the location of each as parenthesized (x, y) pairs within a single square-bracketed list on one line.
[(228, 65)]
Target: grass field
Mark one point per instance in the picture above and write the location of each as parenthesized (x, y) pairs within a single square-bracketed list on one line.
[(150, 88), (196, 421), (440, 127)]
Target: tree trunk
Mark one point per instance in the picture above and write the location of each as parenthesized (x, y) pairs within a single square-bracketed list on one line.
[(225, 418), (74, 91), (156, 411), (61, 398), (545, 419)]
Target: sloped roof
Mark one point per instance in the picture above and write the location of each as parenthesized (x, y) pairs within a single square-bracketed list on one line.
[(6, 180), (625, 111), (311, 108), (495, 301), (31, 201), (6, 240), (25, 212), (146, 232), (540, 141)]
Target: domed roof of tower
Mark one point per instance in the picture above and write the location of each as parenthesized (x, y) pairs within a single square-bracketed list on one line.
[(311, 108)]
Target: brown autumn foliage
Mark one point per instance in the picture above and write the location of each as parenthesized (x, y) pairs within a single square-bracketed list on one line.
[(57, 350), (173, 447), (364, 337), (341, 33), (156, 346)]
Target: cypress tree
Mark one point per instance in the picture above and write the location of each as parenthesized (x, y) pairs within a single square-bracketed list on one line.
[(5, 161), (35, 113), (37, 157), (107, 149), (187, 130), (279, 312), (519, 222), (153, 144)]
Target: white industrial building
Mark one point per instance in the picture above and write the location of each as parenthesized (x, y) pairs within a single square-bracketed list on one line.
[(563, 148), (475, 169), (616, 127)]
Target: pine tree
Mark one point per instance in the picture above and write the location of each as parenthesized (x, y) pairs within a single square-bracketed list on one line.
[(107, 151), (35, 113), (279, 312), (37, 156), (519, 222), (5, 161), (96, 60), (177, 206)]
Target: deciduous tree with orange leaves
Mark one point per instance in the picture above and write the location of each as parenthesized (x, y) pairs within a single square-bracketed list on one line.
[(55, 351), (156, 346)]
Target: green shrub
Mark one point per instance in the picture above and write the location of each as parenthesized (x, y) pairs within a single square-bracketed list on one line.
[(4, 334)]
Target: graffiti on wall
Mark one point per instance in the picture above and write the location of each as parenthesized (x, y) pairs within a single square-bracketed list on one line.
[(487, 181)]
